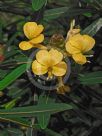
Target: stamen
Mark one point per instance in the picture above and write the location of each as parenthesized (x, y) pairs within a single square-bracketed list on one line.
[(50, 75)]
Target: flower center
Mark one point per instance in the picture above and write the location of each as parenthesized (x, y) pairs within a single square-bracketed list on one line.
[(50, 75), (50, 69)]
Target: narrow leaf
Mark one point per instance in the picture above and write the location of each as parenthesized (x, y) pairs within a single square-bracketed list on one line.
[(43, 120), (12, 76), (54, 13), (91, 78), (65, 11), (35, 110), (93, 28), (19, 120)]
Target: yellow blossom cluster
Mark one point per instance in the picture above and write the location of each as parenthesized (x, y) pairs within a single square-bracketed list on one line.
[(51, 61)]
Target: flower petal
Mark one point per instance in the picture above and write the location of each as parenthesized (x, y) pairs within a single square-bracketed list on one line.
[(38, 69), (55, 56), (38, 39), (79, 43), (88, 43), (30, 29), (24, 45), (59, 69), (43, 57), (76, 41), (39, 29), (79, 58), (72, 47)]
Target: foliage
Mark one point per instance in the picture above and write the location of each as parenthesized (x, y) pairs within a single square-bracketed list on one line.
[(28, 110)]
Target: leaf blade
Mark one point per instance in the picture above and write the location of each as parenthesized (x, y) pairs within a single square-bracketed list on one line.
[(12, 76), (35, 110), (38, 4), (91, 78), (93, 28)]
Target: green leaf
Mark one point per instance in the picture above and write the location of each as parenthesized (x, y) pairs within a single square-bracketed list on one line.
[(43, 99), (35, 110), (10, 104), (50, 132), (91, 78), (43, 120), (15, 132), (87, 14), (72, 3), (93, 28), (54, 13), (38, 4), (95, 3), (26, 123), (65, 11), (16, 92), (13, 38), (11, 77), (19, 120)]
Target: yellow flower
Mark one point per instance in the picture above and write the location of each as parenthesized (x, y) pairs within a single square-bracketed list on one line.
[(78, 45), (33, 32), (49, 61)]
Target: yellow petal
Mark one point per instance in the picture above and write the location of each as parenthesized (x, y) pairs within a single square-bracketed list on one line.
[(55, 56), (72, 47), (59, 69), (79, 58), (83, 42), (30, 29), (88, 42), (76, 41), (39, 29), (50, 58), (76, 37), (38, 69), (43, 57), (79, 43), (38, 39), (25, 45)]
